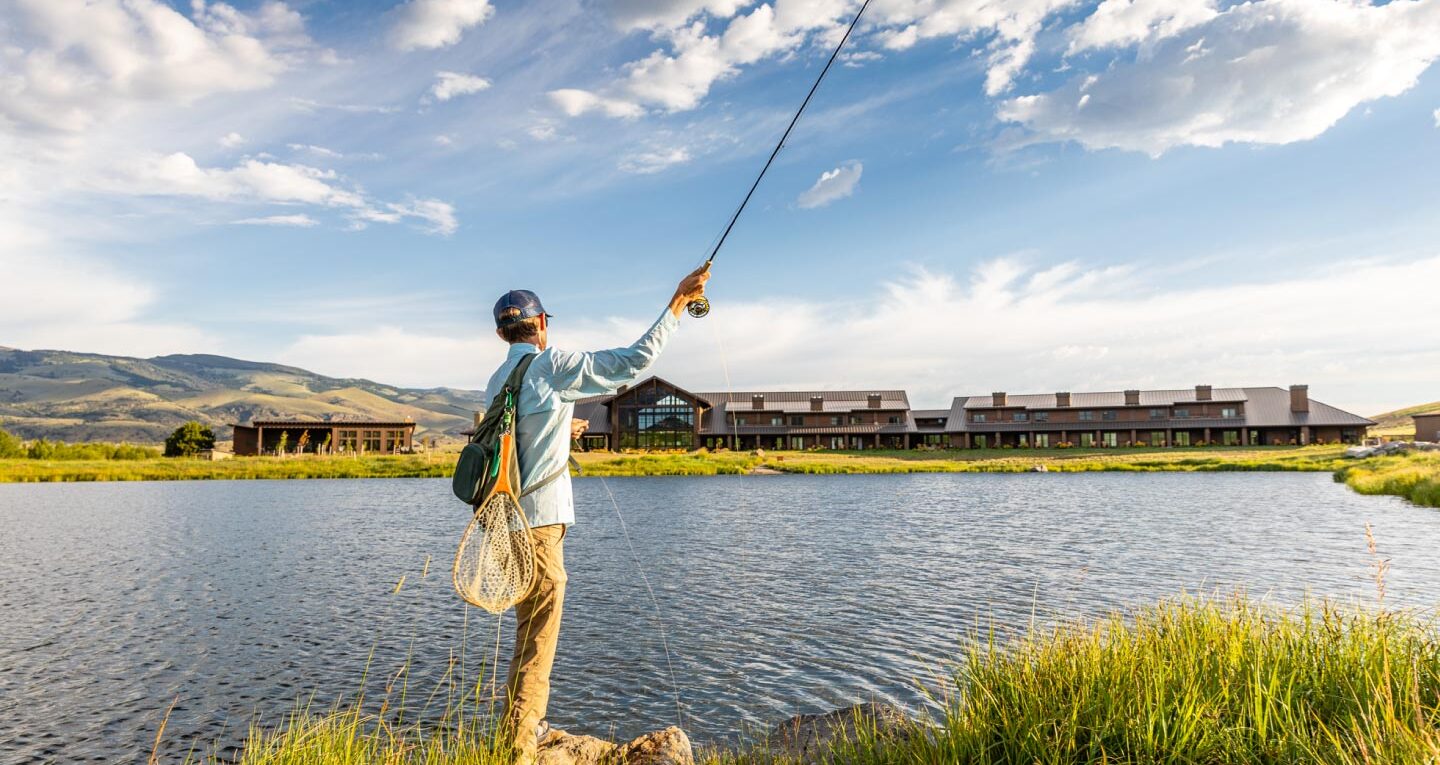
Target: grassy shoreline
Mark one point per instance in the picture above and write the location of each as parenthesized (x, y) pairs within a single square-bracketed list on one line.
[(1415, 477), (1183, 681)]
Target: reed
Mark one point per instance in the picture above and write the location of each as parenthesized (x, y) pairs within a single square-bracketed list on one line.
[(1185, 681), (1414, 476)]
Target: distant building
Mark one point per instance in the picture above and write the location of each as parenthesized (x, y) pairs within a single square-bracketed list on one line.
[(335, 437), (656, 414), (1427, 427)]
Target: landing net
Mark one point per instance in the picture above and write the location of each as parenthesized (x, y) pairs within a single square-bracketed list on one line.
[(495, 565)]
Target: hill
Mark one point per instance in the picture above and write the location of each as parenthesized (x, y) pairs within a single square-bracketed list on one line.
[(1398, 422), (93, 397)]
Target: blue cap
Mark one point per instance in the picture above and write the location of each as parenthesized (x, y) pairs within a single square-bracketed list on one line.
[(517, 305)]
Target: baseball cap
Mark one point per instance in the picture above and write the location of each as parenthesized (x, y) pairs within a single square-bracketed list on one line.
[(517, 305)]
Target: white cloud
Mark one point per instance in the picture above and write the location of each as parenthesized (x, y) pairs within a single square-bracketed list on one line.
[(232, 140), (648, 162), (448, 85), (444, 140), (71, 63), (1436, 115), (434, 24), (575, 102), (1271, 72), (319, 151), (436, 216), (543, 131), (832, 185), (1126, 22), (667, 14), (299, 221), (56, 299), (252, 180)]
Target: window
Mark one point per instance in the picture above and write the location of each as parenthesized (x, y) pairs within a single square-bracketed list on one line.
[(1157, 414), (1087, 440), (797, 421), (797, 443), (777, 421), (894, 419), (1110, 439), (1023, 442), (394, 441), (981, 442), (1042, 440), (742, 421), (1157, 438), (1230, 411), (1021, 417), (655, 417), (855, 419), (1087, 416), (1109, 414), (372, 440), (1042, 416), (1231, 437), (349, 441), (837, 421), (977, 417), (1182, 438), (1182, 412)]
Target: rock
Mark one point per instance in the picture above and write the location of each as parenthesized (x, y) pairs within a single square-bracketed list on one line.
[(1359, 452), (665, 747), (561, 748), (762, 470), (809, 738), (1039, 469)]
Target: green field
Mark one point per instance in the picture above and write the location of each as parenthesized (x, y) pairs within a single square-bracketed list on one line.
[(182, 469), (1185, 681)]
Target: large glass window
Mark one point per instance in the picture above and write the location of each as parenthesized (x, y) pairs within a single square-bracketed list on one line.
[(372, 440), (349, 441), (1182, 438), (1087, 440), (1231, 437), (1110, 439), (655, 417), (1042, 440)]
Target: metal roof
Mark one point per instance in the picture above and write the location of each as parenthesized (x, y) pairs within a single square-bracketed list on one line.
[(1108, 398), (324, 424), (1270, 408)]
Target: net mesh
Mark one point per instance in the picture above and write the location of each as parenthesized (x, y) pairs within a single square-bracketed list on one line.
[(495, 564)]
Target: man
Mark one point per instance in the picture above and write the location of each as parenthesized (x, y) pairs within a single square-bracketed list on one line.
[(545, 428)]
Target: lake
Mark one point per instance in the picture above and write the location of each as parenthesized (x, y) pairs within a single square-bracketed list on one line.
[(778, 594)]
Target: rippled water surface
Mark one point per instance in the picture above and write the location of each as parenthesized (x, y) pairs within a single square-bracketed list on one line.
[(781, 594)]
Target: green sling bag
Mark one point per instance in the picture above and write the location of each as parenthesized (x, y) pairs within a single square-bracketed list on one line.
[(478, 468)]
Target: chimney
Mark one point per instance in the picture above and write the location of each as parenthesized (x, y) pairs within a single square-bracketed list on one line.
[(1202, 393), (1132, 398), (1062, 398), (817, 403), (997, 398), (757, 401), (873, 400), (1299, 398)]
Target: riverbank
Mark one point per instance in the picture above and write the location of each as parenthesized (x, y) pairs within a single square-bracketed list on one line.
[(1414, 476), (1190, 680), (438, 465)]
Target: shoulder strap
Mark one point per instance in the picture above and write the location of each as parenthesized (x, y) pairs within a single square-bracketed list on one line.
[(517, 375), (552, 478)]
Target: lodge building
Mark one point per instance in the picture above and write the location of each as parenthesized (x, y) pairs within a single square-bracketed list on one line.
[(324, 437), (656, 414)]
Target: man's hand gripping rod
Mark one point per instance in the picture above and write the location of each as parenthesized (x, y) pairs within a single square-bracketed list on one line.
[(699, 307)]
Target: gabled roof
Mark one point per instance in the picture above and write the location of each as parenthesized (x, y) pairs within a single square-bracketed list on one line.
[(1108, 398), (1270, 408)]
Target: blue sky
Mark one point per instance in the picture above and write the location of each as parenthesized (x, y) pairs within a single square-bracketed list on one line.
[(1034, 195)]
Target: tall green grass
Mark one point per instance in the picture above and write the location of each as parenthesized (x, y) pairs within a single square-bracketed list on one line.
[(1185, 681), (1414, 476), (1188, 681), (183, 469)]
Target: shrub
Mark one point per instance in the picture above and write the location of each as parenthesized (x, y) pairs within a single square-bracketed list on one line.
[(10, 446), (189, 439)]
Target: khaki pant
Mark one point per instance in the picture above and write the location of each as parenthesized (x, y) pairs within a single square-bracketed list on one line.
[(537, 631)]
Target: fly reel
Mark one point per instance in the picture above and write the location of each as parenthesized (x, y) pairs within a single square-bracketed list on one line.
[(698, 308)]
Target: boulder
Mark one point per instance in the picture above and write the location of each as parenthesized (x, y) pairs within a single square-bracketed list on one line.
[(561, 748), (809, 738), (665, 747)]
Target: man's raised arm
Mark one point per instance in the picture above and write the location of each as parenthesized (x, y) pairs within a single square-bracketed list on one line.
[(579, 374)]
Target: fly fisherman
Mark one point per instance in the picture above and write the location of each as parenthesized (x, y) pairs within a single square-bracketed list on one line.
[(544, 431)]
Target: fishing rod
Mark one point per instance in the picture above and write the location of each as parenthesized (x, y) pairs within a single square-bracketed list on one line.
[(700, 306)]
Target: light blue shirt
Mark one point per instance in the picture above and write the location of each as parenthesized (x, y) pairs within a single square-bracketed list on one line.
[(555, 381)]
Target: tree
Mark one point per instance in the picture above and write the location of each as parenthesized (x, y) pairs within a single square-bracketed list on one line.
[(303, 443), (283, 443), (10, 446), (189, 439)]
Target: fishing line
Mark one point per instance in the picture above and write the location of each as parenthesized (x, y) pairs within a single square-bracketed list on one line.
[(659, 619), (700, 306)]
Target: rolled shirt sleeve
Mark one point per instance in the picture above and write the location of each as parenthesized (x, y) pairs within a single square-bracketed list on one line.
[(577, 374)]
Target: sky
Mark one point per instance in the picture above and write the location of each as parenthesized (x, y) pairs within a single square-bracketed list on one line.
[(1029, 196)]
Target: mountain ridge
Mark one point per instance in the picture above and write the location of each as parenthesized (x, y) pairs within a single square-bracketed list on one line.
[(79, 396)]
